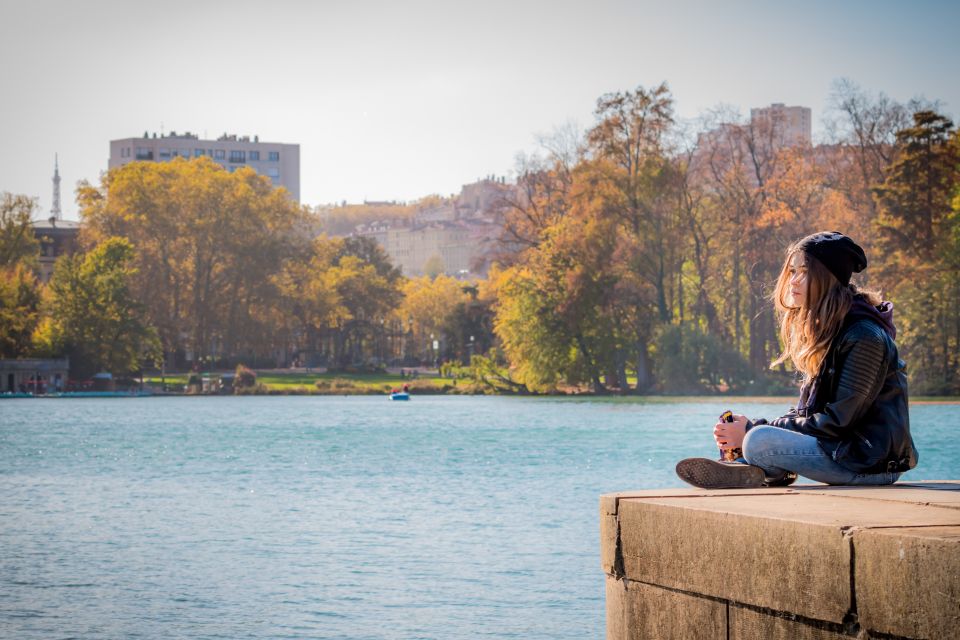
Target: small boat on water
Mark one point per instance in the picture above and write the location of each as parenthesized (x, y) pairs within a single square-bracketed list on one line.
[(400, 395)]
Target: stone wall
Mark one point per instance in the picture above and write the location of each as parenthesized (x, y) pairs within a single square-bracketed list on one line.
[(805, 562)]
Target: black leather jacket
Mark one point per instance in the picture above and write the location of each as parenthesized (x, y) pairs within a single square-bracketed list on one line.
[(859, 415)]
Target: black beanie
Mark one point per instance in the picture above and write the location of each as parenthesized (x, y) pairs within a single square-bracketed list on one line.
[(838, 253)]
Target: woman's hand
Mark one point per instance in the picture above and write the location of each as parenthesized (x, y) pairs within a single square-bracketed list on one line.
[(729, 435)]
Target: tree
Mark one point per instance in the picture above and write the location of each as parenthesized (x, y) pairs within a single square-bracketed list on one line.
[(429, 306), (918, 233), (19, 310), (17, 241), (310, 304), (94, 314), (208, 243), (543, 188), (915, 196)]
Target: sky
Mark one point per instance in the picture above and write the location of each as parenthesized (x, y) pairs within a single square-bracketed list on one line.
[(394, 100)]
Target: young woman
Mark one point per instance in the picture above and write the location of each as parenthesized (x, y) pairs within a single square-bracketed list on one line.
[(851, 424)]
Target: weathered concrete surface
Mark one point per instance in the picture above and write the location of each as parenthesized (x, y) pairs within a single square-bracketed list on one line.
[(746, 624), (803, 560), (703, 545), (908, 581), (637, 610)]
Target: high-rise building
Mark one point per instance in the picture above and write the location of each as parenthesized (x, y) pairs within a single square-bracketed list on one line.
[(790, 126), (278, 161)]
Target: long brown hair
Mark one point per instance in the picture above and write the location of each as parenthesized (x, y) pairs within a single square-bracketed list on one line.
[(807, 329)]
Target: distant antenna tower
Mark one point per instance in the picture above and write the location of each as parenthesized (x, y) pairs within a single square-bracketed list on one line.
[(55, 210)]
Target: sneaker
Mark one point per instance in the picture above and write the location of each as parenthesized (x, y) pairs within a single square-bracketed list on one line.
[(713, 474), (785, 480)]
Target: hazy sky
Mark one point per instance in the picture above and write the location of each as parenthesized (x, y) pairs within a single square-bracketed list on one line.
[(397, 100)]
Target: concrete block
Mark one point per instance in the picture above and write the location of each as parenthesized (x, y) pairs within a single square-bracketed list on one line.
[(763, 561), (908, 581), (747, 624), (797, 558), (640, 611)]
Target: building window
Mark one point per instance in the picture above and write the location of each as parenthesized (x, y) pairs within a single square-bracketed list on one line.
[(164, 154), (273, 172), (254, 156), (197, 153), (219, 154), (238, 156), (144, 153), (274, 156)]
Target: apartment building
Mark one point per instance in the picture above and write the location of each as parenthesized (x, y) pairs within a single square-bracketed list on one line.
[(278, 161), (791, 126)]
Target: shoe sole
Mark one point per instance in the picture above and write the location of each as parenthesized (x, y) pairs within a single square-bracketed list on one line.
[(711, 474)]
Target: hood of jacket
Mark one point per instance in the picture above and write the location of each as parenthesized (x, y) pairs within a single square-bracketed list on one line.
[(882, 314)]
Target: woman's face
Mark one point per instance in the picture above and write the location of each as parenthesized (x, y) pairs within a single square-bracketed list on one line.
[(798, 280)]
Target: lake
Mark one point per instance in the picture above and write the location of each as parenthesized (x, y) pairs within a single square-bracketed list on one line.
[(336, 517)]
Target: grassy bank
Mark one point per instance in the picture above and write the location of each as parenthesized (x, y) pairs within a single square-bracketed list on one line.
[(328, 383)]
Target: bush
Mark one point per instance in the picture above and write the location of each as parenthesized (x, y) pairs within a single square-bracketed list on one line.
[(246, 378)]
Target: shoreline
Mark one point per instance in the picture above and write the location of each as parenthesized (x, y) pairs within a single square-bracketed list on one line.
[(646, 399)]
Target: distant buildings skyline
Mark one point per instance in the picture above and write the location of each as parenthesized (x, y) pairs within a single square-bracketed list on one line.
[(281, 161), (278, 161)]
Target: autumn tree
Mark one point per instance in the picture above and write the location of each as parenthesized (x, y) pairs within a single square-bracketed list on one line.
[(18, 244), (208, 242), (19, 310), (542, 196), (429, 308), (19, 288), (368, 286)]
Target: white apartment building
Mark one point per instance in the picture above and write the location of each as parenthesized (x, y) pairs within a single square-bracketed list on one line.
[(791, 125), (278, 161)]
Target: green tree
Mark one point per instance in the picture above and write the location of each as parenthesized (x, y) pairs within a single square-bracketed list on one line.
[(94, 313), (917, 225)]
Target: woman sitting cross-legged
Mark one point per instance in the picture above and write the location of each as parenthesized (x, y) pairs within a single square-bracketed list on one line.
[(851, 424)]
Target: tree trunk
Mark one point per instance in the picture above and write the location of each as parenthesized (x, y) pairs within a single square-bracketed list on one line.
[(644, 375)]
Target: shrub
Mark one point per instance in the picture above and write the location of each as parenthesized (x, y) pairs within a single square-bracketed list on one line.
[(246, 377)]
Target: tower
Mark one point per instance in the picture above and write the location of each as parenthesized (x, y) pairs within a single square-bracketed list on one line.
[(55, 210)]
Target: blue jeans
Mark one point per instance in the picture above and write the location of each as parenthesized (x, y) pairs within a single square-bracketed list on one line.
[(778, 450)]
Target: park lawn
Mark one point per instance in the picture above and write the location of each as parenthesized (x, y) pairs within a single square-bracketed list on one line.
[(294, 381)]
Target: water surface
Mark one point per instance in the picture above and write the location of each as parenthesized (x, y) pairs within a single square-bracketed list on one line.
[(335, 517)]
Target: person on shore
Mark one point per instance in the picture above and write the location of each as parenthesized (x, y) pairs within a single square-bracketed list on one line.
[(851, 425)]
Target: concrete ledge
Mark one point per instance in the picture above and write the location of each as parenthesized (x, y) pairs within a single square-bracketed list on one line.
[(809, 561)]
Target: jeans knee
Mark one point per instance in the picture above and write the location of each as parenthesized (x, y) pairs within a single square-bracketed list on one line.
[(757, 441)]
